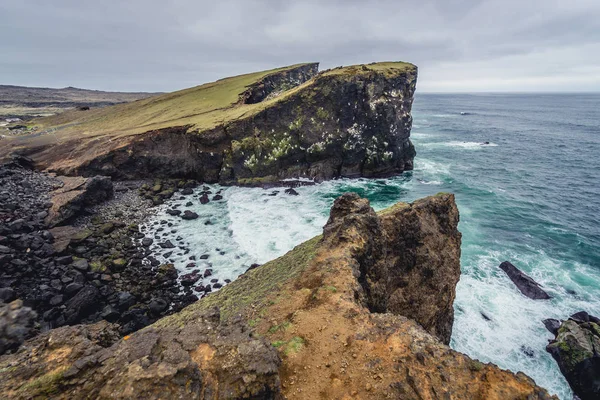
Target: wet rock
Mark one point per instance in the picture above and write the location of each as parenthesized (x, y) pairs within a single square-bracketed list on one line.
[(125, 300), (291, 191), (167, 245), (207, 273), (575, 351), (173, 212), (109, 313), (189, 279), (56, 300), (217, 197), (147, 242), (204, 199), (552, 325), (188, 215), (252, 266), (73, 288), (524, 283), (187, 191)]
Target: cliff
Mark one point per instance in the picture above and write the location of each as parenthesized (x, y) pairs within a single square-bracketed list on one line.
[(359, 312), (250, 129)]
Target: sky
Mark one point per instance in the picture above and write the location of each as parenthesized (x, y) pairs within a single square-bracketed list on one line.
[(158, 45)]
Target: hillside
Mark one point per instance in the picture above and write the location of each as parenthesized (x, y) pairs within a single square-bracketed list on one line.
[(252, 128), (38, 97), (26, 103)]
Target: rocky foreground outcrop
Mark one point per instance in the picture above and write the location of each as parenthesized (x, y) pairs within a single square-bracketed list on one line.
[(299, 327), (249, 130), (576, 349)]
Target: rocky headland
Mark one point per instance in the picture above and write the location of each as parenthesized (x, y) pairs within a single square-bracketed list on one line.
[(252, 129)]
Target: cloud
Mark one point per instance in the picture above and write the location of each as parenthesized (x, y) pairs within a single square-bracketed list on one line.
[(459, 45)]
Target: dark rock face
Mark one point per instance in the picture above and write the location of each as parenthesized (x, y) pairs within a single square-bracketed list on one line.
[(356, 126), (524, 283), (348, 124), (16, 325), (576, 350), (200, 360), (275, 84), (410, 261)]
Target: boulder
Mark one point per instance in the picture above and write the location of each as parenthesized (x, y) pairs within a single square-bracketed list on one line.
[(188, 215), (85, 302), (524, 283), (575, 349), (16, 325), (7, 295), (167, 245), (552, 325), (75, 195)]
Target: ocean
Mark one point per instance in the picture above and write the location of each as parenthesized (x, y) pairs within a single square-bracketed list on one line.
[(525, 169)]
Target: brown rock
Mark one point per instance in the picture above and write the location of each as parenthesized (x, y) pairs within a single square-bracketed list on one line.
[(201, 360), (76, 194), (409, 256)]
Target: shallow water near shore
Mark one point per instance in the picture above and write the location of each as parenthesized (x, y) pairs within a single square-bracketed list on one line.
[(526, 173)]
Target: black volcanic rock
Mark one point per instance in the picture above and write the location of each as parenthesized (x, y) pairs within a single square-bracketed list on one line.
[(188, 215), (575, 349), (552, 325), (524, 283)]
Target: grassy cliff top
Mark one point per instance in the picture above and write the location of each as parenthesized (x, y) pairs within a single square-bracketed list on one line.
[(202, 107)]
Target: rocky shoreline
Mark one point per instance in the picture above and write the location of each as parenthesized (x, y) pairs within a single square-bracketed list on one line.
[(87, 267)]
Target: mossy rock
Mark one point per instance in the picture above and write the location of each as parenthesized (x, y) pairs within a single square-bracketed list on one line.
[(119, 264)]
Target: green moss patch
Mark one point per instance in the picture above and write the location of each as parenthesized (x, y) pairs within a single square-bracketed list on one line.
[(252, 288)]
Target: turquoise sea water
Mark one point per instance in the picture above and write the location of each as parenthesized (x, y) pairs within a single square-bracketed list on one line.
[(531, 196)]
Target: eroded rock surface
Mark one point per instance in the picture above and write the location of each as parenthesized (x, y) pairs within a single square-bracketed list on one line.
[(202, 360), (409, 261), (576, 349)]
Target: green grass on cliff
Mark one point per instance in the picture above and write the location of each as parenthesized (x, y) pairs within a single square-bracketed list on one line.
[(251, 289), (201, 107)]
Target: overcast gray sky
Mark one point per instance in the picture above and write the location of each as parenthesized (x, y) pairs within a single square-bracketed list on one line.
[(159, 45)]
